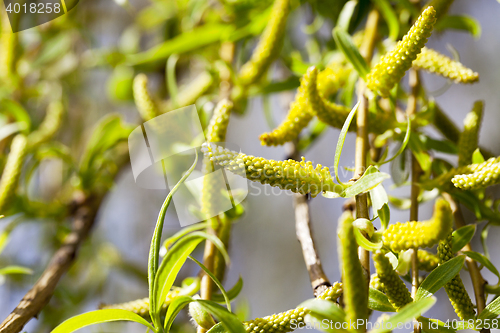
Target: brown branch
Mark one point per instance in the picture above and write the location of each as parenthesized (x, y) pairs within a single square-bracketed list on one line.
[(478, 281), (38, 297)]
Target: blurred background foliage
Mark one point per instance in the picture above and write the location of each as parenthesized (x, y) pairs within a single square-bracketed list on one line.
[(87, 60)]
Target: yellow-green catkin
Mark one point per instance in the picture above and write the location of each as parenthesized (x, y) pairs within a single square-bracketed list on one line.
[(332, 78), (469, 139), (335, 115), (145, 104), (487, 176), (12, 171), (276, 323), (49, 126), (190, 93), (437, 63), (354, 283), (8, 42), (393, 286), (332, 293), (427, 261), (269, 44), (392, 67), (375, 283), (455, 288), (440, 6), (299, 177), (410, 235), (297, 119)]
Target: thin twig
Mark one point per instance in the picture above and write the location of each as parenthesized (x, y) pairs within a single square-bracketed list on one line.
[(478, 281), (411, 109), (319, 281), (38, 297)]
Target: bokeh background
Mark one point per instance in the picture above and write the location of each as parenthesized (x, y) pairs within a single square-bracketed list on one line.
[(264, 249)]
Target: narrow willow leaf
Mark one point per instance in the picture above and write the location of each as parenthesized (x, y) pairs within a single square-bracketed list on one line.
[(228, 319), (365, 183), (390, 17), (403, 145), (12, 128), (483, 261), (365, 243), (327, 309), (98, 317), (462, 237), (346, 14), (379, 198), (216, 281), (15, 270), (460, 22), (341, 140), (231, 293), (492, 311), (174, 308), (407, 313), (154, 251), (171, 79), (219, 328), (378, 301), (384, 215), (181, 233), (418, 150), (17, 112), (439, 277), (346, 45)]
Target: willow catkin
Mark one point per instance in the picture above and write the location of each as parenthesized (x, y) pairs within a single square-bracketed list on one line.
[(353, 281), (332, 293), (12, 171), (332, 78), (469, 139), (296, 120), (410, 235), (487, 176), (393, 286), (455, 289), (393, 65), (190, 93), (298, 177), (269, 44), (375, 282), (145, 104), (49, 126), (437, 63), (427, 261)]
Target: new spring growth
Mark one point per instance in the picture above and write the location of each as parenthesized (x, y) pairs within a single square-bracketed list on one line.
[(145, 104), (487, 176), (269, 44), (49, 126), (437, 63), (201, 317), (12, 170), (391, 283), (392, 66), (354, 282), (469, 138), (299, 177), (297, 119), (410, 235), (455, 289), (281, 322)]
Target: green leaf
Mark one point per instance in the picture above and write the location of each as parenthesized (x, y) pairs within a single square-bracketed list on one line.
[(483, 261), (378, 301), (434, 326), (228, 319), (492, 311), (379, 198), (17, 112), (365, 183), (219, 328), (346, 14), (171, 79), (174, 308), (181, 233), (216, 281), (320, 310), (12, 128), (97, 317), (439, 277), (346, 45), (407, 313), (390, 17), (403, 144), (459, 22), (341, 140), (154, 251), (463, 236), (231, 294), (15, 270), (365, 243), (384, 215), (477, 157), (418, 149)]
